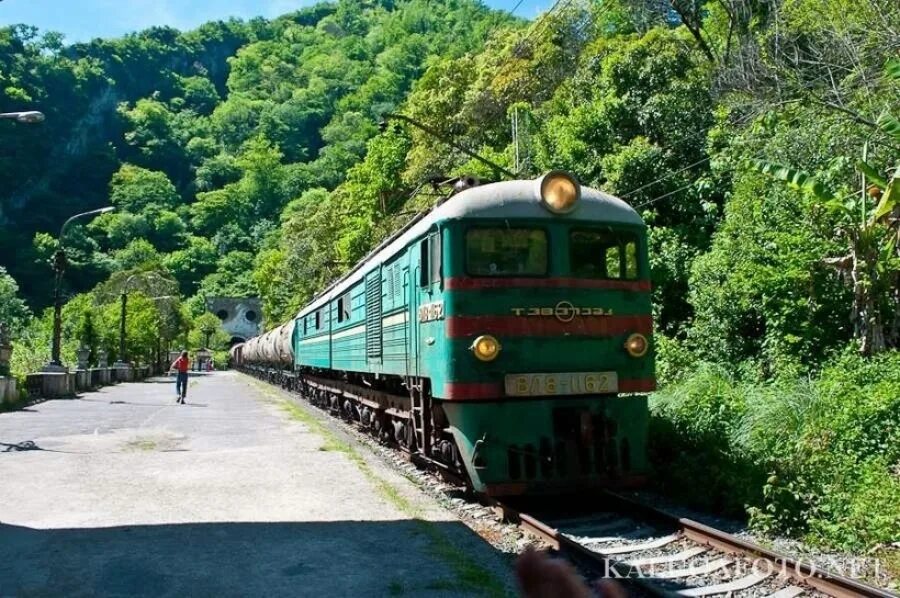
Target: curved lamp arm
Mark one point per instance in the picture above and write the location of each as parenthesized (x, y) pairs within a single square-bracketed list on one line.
[(62, 230), (29, 117)]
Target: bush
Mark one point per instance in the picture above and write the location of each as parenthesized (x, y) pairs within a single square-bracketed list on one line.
[(814, 458), (673, 359)]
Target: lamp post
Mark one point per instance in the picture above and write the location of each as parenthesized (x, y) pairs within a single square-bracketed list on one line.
[(28, 117), (59, 266)]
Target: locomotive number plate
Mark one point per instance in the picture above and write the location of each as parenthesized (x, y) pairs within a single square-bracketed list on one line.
[(566, 383)]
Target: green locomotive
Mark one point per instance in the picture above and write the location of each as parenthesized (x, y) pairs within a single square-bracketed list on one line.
[(504, 336)]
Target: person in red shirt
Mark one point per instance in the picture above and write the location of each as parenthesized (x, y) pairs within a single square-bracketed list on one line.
[(181, 366)]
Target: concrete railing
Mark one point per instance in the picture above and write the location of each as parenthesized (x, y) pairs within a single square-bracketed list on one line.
[(57, 385)]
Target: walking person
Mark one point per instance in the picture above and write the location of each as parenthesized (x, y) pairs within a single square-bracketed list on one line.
[(181, 366)]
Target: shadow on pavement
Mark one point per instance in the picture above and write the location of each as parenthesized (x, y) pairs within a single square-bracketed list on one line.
[(171, 379), (339, 558)]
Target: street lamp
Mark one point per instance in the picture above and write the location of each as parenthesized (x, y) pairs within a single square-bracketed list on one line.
[(59, 266), (28, 117)]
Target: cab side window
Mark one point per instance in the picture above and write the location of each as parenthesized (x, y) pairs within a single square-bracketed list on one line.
[(430, 253), (603, 254), (343, 311)]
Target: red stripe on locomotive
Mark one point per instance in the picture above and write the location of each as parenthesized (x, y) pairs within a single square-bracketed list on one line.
[(465, 284)]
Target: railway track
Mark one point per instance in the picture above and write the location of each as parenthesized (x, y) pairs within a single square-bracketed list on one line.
[(666, 555), (660, 553)]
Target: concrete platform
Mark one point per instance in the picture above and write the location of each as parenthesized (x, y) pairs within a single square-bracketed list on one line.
[(124, 492)]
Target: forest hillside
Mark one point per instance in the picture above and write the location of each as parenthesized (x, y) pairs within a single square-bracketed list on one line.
[(760, 140)]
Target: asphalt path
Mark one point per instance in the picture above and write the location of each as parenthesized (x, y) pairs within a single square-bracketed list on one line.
[(123, 492)]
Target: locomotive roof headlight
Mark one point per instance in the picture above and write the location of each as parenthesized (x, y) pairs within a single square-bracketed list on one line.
[(486, 347), (637, 345), (559, 191)]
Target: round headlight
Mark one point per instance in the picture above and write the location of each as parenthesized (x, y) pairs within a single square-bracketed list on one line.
[(560, 192), (637, 345), (486, 347)]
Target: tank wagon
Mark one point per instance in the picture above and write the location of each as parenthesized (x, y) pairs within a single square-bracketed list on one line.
[(236, 356), (505, 336)]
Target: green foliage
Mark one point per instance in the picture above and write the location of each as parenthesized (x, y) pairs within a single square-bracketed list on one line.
[(206, 332), (207, 133), (762, 291), (13, 311), (133, 189), (190, 265), (796, 179), (31, 350), (813, 459)]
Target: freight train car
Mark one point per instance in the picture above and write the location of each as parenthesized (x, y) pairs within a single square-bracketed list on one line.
[(505, 336), (236, 356)]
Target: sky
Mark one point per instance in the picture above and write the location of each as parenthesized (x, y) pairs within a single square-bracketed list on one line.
[(82, 20)]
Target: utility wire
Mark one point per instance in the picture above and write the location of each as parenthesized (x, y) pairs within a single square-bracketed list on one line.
[(665, 195), (544, 17), (515, 8), (544, 21), (742, 120), (651, 183), (683, 187)]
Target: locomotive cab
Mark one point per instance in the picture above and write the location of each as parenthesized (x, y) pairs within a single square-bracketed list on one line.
[(546, 338)]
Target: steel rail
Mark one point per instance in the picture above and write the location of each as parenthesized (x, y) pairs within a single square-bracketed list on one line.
[(797, 571), (612, 568)]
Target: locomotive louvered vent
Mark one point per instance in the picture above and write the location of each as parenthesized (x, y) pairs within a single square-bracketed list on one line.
[(398, 286), (373, 314), (392, 287)]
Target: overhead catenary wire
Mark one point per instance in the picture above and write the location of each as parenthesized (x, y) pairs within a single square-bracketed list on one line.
[(662, 178), (691, 184), (743, 119), (513, 10), (543, 20)]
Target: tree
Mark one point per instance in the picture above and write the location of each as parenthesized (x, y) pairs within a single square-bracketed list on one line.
[(133, 189), (233, 277), (198, 94), (152, 132), (870, 231), (137, 254), (13, 311), (206, 332), (192, 263)]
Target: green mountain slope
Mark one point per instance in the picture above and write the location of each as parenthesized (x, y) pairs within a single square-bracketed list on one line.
[(200, 138)]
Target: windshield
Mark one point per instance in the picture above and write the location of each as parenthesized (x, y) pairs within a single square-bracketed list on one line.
[(603, 254), (506, 252)]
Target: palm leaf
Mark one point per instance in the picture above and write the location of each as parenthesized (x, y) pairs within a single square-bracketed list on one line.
[(892, 69), (889, 200), (797, 179), (890, 125), (873, 175)]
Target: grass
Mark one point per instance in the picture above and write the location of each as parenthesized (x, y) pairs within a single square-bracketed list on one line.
[(811, 458), (141, 444), (470, 576)]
